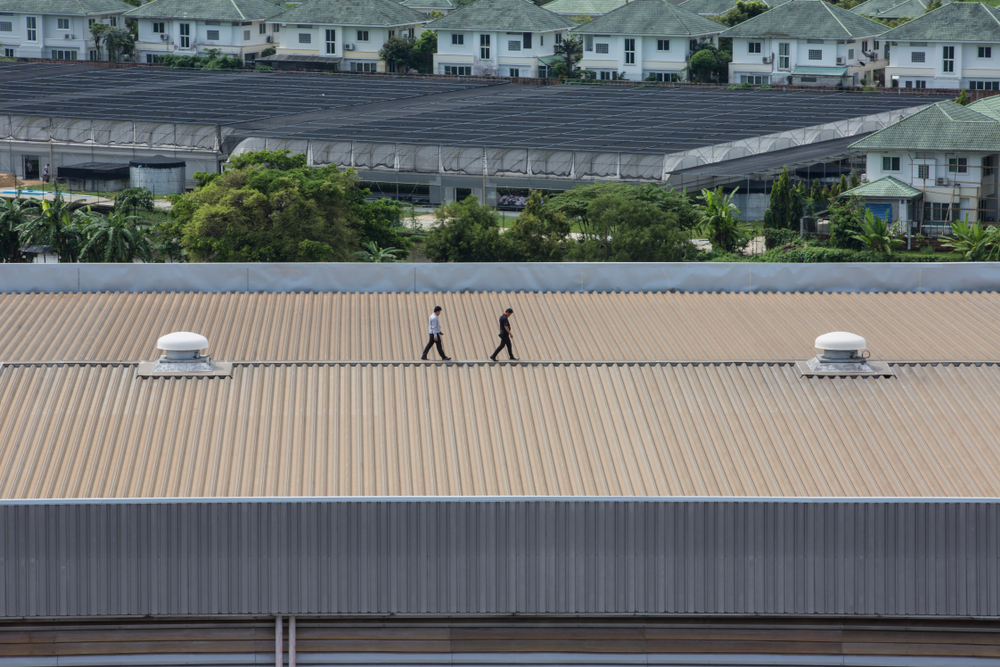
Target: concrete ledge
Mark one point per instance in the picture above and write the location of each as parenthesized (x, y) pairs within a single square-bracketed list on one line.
[(487, 277)]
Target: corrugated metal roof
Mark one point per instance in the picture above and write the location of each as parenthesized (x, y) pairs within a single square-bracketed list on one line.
[(433, 558), (560, 429), (560, 326)]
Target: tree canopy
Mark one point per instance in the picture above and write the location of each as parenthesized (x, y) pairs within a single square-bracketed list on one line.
[(743, 11)]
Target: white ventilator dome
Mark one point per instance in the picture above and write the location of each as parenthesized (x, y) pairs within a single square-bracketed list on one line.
[(181, 345), (840, 346)]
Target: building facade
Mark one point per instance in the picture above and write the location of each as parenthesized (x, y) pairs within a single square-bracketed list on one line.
[(507, 38), (191, 27), (56, 29), (806, 42), (955, 46), (644, 39)]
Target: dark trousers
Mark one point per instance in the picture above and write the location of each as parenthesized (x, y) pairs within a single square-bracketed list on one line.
[(504, 342), (431, 343)]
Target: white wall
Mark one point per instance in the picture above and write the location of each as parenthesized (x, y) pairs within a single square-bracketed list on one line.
[(50, 37), (502, 57), (232, 39), (648, 58), (968, 66), (851, 54)]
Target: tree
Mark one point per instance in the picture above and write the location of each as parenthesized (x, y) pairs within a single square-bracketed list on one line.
[(743, 11), (538, 234), (115, 238), (279, 160), (118, 42), (255, 214), (783, 211), (380, 222), (582, 18), (576, 204), (424, 49), (466, 231), (397, 53), (569, 51), (963, 97), (372, 253), (55, 225), (877, 234), (134, 200), (719, 222), (709, 64), (13, 214), (931, 6), (975, 243), (846, 215)]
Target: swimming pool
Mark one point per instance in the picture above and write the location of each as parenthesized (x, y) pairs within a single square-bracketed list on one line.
[(42, 192)]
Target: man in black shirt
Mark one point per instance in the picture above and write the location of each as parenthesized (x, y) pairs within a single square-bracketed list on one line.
[(505, 336)]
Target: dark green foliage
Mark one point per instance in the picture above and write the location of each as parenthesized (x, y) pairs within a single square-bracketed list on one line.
[(784, 210), (709, 64), (538, 234), (424, 49), (963, 97), (117, 43), (779, 238), (279, 160), (268, 52), (403, 54), (846, 216), (576, 203), (743, 11), (380, 222), (13, 214), (133, 200), (212, 60), (570, 50), (467, 231), (55, 224)]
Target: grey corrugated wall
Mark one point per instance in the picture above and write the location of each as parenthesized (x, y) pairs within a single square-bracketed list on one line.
[(436, 557)]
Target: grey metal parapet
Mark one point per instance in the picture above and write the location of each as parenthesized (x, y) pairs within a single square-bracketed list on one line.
[(487, 277), (482, 557)]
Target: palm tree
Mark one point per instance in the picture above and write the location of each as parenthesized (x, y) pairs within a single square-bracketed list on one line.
[(55, 226), (719, 222), (877, 234), (372, 253), (13, 213), (570, 49), (117, 238), (975, 243)]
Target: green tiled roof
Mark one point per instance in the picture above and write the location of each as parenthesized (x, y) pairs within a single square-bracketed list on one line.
[(430, 4), (501, 16), (887, 186), (894, 9), (945, 126), (819, 71), (64, 7), (955, 22), (206, 10), (716, 7), (583, 7), (650, 17), (807, 19), (989, 106), (352, 12)]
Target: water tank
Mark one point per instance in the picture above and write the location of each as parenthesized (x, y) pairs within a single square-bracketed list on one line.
[(158, 174)]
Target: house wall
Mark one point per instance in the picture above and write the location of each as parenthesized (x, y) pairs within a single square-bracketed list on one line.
[(833, 53), (968, 66), (648, 57), (502, 57), (232, 39), (289, 40), (49, 36)]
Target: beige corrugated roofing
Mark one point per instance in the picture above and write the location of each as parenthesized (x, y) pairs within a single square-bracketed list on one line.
[(388, 429), (560, 326)]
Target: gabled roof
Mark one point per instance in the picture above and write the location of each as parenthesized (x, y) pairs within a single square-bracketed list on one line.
[(206, 10), (955, 22), (64, 7), (989, 106), (894, 9), (886, 187), (430, 4), (807, 19), (584, 7), (650, 17), (353, 12), (502, 15), (945, 126), (717, 7)]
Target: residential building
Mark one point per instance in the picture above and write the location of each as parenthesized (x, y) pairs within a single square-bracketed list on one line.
[(56, 29), (514, 38), (955, 46), (591, 8), (644, 39), (717, 7), (806, 42), (428, 6), (943, 161), (191, 27), (893, 10), (345, 34)]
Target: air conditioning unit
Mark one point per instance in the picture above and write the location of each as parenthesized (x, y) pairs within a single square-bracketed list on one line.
[(768, 60), (348, 47), (164, 37), (841, 60), (67, 36), (942, 181), (270, 39)]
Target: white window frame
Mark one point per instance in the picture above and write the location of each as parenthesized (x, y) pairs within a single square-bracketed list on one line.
[(918, 56), (663, 45), (985, 52), (62, 24), (457, 39), (31, 28), (629, 51), (784, 59), (331, 41), (305, 38), (185, 35), (484, 47), (755, 47), (212, 35), (890, 163), (815, 54), (363, 35)]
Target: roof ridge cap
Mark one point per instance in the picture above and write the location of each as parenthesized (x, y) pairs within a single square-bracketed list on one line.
[(238, 10), (829, 9)]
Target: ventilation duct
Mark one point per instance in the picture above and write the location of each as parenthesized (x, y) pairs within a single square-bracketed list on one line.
[(182, 357), (842, 353)]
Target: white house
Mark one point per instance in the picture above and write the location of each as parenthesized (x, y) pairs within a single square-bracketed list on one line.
[(57, 29), (190, 27), (806, 42), (943, 162), (644, 39), (514, 38), (955, 46), (344, 34)]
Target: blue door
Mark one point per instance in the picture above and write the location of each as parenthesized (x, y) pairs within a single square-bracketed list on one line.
[(883, 211)]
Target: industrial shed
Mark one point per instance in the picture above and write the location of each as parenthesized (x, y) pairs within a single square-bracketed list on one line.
[(663, 486)]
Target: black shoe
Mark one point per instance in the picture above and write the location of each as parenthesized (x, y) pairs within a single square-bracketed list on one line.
[(493, 358), (445, 358), (513, 358), (423, 358)]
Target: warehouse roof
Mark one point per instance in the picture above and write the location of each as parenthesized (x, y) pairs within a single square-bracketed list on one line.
[(945, 126), (500, 15), (206, 10), (954, 22), (64, 7), (807, 19), (352, 12), (650, 17), (326, 398)]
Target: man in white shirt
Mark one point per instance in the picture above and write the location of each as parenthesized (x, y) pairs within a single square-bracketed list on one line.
[(434, 329)]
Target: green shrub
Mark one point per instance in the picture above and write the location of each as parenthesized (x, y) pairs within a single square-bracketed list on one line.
[(778, 238)]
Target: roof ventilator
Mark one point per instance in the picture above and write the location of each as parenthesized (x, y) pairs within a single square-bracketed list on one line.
[(842, 353), (182, 357)]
